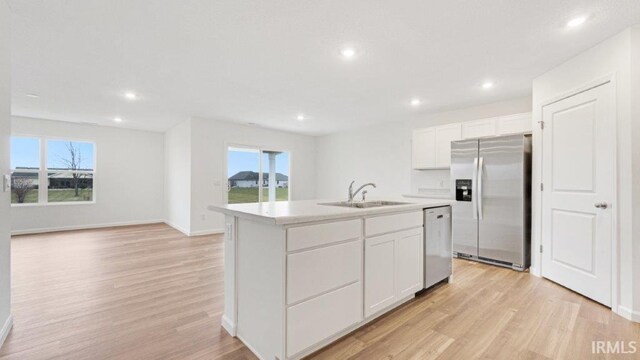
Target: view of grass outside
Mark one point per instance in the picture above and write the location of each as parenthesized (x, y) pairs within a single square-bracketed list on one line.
[(245, 177), (66, 195), (247, 195), (56, 195), (69, 171), (29, 198)]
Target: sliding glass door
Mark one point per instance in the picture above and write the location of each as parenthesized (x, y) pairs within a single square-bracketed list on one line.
[(256, 175)]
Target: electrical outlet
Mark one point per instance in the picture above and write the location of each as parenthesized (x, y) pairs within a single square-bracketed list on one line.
[(228, 233), (6, 186)]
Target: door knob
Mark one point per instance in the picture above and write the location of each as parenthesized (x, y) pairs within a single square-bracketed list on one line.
[(601, 205)]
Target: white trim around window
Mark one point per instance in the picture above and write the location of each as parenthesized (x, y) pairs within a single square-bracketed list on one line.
[(260, 150), (43, 172)]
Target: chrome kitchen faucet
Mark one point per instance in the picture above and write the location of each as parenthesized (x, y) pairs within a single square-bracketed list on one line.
[(352, 194)]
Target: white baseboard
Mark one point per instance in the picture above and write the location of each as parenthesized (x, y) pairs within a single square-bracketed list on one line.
[(229, 326), (115, 224), (84, 227), (534, 271), (8, 324), (206, 232), (194, 233), (629, 314), (179, 228)]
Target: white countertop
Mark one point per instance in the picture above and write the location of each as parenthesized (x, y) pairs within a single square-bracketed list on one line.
[(295, 212), (445, 196)]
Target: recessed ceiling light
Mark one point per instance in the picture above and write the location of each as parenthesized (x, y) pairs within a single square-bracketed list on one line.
[(576, 21), (300, 117), (348, 53), (34, 96), (117, 119), (415, 102), (130, 95), (487, 85)]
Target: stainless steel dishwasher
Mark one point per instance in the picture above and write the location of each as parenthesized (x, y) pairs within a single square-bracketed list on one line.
[(437, 245)]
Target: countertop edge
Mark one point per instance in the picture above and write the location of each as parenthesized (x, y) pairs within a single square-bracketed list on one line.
[(357, 213)]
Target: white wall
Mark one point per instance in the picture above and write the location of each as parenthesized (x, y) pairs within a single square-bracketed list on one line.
[(382, 153), (635, 134), (128, 181), (178, 176), (610, 58), (5, 199), (210, 139)]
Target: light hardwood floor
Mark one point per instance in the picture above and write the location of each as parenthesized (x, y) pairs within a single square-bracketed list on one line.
[(149, 292)]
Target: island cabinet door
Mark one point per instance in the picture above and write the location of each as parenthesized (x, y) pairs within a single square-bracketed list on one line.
[(409, 262), (318, 319), (393, 268), (379, 273)]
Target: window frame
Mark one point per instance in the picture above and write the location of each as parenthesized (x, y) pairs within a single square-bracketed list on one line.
[(39, 171), (43, 172), (261, 150)]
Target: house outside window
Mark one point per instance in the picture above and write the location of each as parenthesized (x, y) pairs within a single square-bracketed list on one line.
[(257, 175), (51, 171)]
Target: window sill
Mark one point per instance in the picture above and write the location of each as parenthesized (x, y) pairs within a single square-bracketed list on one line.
[(70, 203)]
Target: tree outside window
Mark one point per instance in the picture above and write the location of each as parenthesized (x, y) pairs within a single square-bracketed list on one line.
[(67, 166)]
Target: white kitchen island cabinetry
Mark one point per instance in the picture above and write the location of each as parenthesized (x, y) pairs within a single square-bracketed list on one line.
[(393, 261), (299, 275)]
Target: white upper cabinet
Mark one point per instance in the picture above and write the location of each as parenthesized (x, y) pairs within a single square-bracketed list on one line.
[(444, 136), (424, 148), (431, 147), (514, 124), (479, 128)]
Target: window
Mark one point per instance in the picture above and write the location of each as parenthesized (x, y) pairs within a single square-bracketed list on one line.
[(25, 170), (256, 175), (69, 171), (67, 167)]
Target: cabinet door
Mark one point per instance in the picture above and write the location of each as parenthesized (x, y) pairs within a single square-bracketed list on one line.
[(423, 148), (379, 273), (514, 124), (313, 272), (444, 136), (479, 128), (313, 321), (409, 262)]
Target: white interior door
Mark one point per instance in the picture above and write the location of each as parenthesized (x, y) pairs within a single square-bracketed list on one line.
[(579, 148)]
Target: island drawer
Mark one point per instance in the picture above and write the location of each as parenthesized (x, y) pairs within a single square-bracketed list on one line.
[(390, 223), (315, 320), (303, 237), (313, 272)]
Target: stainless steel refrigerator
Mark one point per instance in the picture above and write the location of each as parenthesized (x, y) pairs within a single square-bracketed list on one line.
[(492, 213)]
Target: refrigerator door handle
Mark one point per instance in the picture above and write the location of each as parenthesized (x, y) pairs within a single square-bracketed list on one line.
[(479, 190), (474, 188)]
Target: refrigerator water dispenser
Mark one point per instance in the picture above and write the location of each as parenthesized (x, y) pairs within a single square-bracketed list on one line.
[(463, 190)]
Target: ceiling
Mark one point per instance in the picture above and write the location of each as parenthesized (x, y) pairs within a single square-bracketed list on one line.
[(266, 61)]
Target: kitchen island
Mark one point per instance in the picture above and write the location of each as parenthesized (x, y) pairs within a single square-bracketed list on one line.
[(301, 274)]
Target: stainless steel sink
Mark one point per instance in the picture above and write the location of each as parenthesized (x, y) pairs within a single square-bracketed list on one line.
[(364, 204)]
